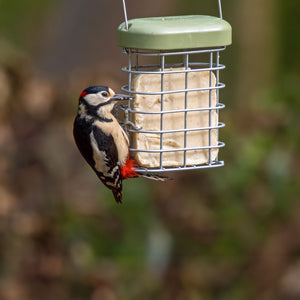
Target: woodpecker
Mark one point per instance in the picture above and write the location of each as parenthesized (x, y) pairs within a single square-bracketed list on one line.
[(102, 141)]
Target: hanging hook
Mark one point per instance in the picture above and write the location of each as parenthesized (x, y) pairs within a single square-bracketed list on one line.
[(220, 9), (125, 15), (126, 20)]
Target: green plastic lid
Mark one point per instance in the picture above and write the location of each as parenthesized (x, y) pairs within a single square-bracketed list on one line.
[(175, 32)]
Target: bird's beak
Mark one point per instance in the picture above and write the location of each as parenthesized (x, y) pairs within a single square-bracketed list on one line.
[(120, 97)]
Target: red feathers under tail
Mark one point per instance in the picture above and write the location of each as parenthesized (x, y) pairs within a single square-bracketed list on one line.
[(128, 170)]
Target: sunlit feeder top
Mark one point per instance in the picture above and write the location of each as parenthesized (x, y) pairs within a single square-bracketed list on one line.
[(174, 32)]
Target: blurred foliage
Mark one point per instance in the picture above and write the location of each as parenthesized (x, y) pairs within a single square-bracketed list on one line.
[(228, 234), (17, 21)]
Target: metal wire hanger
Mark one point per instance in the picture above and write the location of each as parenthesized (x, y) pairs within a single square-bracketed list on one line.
[(126, 20)]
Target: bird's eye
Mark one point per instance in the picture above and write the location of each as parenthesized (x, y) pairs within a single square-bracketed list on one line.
[(104, 94)]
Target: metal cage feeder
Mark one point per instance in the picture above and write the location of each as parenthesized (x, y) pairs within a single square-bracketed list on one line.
[(174, 73)]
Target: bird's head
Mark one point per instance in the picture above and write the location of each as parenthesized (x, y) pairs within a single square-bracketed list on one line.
[(100, 99)]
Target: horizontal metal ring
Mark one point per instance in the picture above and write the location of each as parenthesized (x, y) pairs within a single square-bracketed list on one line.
[(148, 53), (126, 69), (220, 145), (213, 164), (220, 125), (218, 107), (182, 64), (221, 85)]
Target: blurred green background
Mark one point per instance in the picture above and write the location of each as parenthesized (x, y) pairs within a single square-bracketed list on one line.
[(230, 233)]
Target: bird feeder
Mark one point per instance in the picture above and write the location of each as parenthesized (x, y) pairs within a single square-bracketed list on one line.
[(174, 73)]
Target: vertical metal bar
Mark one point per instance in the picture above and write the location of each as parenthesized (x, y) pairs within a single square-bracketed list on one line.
[(186, 65), (162, 65), (209, 112), (137, 60), (125, 15), (129, 69), (129, 80), (220, 9), (217, 96)]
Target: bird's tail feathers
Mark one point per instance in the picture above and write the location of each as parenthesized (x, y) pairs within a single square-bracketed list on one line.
[(118, 196)]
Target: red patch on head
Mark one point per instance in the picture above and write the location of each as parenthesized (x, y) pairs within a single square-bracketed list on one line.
[(128, 170), (83, 94)]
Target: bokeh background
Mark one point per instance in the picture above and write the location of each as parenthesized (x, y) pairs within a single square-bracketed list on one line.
[(231, 233)]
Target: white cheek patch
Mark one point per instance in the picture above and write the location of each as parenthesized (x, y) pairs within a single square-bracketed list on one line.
[(92, 99), (95, 99)]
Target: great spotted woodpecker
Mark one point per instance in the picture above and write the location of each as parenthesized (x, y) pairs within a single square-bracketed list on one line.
[(102, 141)]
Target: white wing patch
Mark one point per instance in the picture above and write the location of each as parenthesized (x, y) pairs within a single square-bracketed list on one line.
[(100, 160), (98, 156)]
